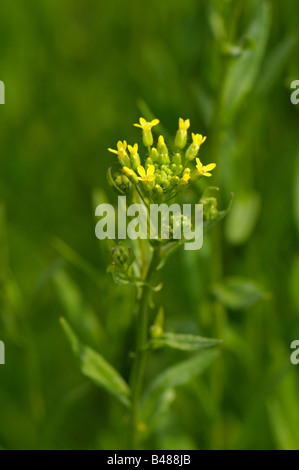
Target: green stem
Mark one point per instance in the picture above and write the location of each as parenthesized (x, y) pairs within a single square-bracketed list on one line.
[(138, 368)]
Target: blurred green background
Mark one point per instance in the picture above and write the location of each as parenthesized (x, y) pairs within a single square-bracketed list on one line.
[(78, 74)]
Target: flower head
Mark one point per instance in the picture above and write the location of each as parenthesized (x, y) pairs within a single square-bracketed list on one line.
[(204, 170), (145, 125), (146, 176), (184, 125)]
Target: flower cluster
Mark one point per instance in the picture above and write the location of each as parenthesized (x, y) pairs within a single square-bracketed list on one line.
[(165, 172)]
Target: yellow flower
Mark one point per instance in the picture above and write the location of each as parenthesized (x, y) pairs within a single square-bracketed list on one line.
[(204, 170), (198, 139), (133, 150), (184, 125), (146, 176), (121, 148), (145, 125)]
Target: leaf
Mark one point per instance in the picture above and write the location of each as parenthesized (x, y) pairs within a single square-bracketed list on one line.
[(77, 310), (242, 218), (96, 368), (237, 293), (285, 439), (184, 342), (244, 70), (177, 375), (76, 260), (276, 61)]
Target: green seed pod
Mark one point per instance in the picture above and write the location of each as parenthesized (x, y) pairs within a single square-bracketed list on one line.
[(210, 210)]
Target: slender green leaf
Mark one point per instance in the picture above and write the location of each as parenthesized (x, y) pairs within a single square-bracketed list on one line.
[(96, 368), (175, 376), (244, 69), (77, 309), (238, 293), (242, 218), (184, 342)]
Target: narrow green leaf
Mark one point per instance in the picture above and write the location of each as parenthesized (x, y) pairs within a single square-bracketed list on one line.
[(238, 293), (244, 69), (276, 61), (76, 260), (96, 368), (242, 218), (177, 375), (184, 342), (77, 310)]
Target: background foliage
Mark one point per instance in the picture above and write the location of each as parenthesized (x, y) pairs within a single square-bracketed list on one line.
[(77, 75)]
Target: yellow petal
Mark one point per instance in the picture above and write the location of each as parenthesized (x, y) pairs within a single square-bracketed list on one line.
[(151, 170), (113, 151), (143, 122), (141, 171), (137, 125), (155, 122), (210, 167), (121, 145), (208, 174)]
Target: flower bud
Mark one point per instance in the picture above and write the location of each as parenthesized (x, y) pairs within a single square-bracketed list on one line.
[(181, 135), (131, 175), (162, 148), (177, 159), (154, 154)]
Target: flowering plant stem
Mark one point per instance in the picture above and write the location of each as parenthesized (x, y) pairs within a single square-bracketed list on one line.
[(137, 374)]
